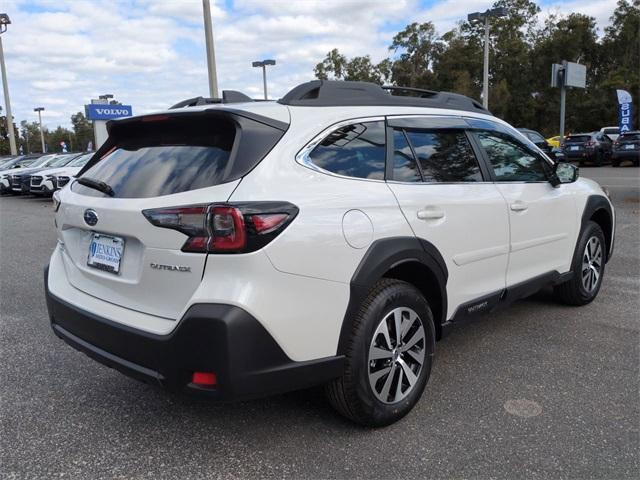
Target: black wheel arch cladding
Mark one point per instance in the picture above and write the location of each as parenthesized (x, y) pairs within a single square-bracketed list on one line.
[(383, 256), (598, 209)]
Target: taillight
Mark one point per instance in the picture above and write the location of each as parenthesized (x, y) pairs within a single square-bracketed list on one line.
[(590, 143), (225, 228)]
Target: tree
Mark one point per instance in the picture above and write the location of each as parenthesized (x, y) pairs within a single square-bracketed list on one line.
[(60, 134), (621, 52), (83, 131), (30, 137), (336, 66), (418, 46), (458, 65)]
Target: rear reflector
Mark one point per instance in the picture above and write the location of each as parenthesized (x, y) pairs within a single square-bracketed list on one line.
[(205, 379), (268, 222)]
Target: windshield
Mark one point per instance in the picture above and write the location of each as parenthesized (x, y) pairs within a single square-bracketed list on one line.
[(81, 160), (611, 130), (61, 161)]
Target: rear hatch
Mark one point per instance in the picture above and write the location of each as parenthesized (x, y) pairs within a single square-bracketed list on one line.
[(628, 142), (576, 143), (111, 250)]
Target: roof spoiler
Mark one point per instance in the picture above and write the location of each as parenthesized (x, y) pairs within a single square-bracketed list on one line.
[(228, 96)]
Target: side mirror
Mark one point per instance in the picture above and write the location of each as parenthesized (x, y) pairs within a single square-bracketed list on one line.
[(564, 172)]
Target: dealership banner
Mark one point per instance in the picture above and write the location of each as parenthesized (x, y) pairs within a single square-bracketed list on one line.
[(100, 111), (625, 111)]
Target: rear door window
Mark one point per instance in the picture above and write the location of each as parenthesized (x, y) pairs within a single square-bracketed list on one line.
[(444, 156), (357, 150)]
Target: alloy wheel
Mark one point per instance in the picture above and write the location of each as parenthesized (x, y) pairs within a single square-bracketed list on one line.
[(396, 355), (592, 264)]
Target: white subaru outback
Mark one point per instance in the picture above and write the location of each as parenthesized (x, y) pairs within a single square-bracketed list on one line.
[(238, 248)]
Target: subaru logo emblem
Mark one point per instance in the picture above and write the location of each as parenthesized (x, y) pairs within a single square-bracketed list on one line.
[(90, 217)]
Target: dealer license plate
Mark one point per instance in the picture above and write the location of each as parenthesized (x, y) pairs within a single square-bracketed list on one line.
[(105, 252)]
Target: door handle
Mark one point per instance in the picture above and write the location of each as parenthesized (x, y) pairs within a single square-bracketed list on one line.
[(430, 213), (519, 206)]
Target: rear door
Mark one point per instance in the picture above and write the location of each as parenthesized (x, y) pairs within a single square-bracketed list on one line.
[(449, 201), (110, 249), (542, 218)]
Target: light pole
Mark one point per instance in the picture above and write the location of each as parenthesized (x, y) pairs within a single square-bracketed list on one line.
[(39, 110), (264, 64), (211, 53), (4, 22), (484, 17)]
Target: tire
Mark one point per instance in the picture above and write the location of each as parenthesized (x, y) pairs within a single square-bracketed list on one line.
[(353, 394), (585, 285), (615, 163), (599, 158)]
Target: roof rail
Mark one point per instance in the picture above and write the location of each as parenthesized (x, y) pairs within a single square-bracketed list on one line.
[(228, 96), (327, 93)]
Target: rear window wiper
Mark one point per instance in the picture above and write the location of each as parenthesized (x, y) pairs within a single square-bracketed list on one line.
[(96, 185)]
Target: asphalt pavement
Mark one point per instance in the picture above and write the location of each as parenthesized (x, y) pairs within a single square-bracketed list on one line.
[(538, 390)]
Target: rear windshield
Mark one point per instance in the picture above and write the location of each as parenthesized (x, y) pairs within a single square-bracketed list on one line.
[(613, 130), (535, 137), (579, 139), (160, 170), (629, 137), (167, 155)]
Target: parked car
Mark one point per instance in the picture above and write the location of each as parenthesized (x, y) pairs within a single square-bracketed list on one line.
[(554, 141), (538, 140), (626, 147), (21, 181), (611, 132), (45, 182), (592, 147), (10, 167), (243, 249)]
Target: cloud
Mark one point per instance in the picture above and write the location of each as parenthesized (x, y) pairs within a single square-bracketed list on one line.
[(151, 53)]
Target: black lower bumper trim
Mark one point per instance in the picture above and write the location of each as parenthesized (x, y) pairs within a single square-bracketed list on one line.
[(223, 339)]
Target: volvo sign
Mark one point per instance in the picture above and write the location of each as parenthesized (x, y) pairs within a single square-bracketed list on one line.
[(96, 111)]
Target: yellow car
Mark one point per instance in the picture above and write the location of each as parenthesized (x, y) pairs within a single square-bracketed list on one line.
[(554, 141)]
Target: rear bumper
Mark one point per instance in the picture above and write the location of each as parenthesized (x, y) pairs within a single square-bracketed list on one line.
[(626, 155), (209, 338)]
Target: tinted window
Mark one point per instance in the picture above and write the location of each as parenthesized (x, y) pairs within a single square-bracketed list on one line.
[(628, 137), (356, 150), (535, 137), (404, 165), (445, 156), (154, 159), (158, 170), (578, 139), (510, 161)]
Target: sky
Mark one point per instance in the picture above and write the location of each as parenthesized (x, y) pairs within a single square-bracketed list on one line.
[(151, 53)]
